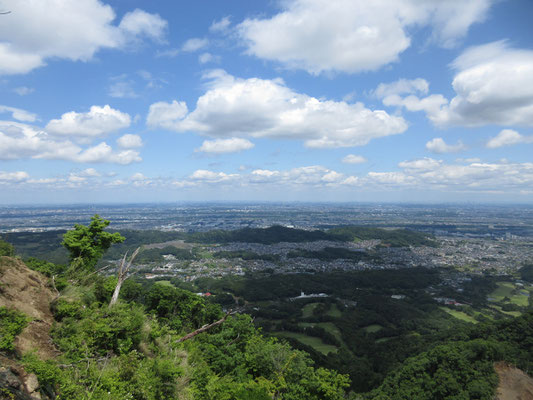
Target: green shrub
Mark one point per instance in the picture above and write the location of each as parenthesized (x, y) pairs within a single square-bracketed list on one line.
[(12, 322), (6, 249)]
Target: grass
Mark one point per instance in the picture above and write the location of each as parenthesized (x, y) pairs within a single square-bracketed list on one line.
[(518, 296), (327, 326), (503, 290), (334, 311), (314, 342), (164, 283), (373, 328), (307, 310), (460, 315), (511, 313)]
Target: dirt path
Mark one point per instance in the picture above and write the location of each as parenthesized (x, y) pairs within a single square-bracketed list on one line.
[(514, 383)]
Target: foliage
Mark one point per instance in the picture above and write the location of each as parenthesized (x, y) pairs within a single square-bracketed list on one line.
[(179, 308), (6, 249), (393, 238), (274, 234), (96, 331), (526, 272), (87, 244), (44, 267), (461, 370), (12, 322), (238, 363)]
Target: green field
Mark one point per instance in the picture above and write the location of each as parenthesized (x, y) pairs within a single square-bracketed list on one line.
[(307, 310), (314, 342), (512, 313), (373, 328), (516, 295), (459, 315), (334, 311), (164, 283), (327, 326)]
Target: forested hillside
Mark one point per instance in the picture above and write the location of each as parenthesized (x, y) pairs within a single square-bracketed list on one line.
[(162, 341)]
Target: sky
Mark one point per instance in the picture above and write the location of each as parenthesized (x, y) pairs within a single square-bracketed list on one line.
[(290, 100)]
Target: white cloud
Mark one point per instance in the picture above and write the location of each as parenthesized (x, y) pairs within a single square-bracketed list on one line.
[(431, 174), (36, 31), (354, 35), (231, 145), (11, 177), (402, 86), (170, 53), (234, 107), (208, 57), (138, 177), (166, 115), (508, 137), (493, 85), (221, 25), (354, 159), (21, 141), (122, 89), (194, 44), (90, 172), (139, 23), (439, 146), (99, 121), (211, 176), (130, 141), (23, 90), (18, 114)]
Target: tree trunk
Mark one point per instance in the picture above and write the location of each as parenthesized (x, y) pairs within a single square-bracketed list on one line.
[(122, 275)]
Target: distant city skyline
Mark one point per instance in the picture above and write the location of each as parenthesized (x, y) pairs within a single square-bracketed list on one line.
[(298, 100)]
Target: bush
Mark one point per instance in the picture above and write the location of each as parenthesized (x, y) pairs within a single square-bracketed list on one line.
[(6, 249), (12, 322)]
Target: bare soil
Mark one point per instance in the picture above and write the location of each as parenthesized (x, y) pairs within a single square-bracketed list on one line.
[(27, 291), (514, 384)]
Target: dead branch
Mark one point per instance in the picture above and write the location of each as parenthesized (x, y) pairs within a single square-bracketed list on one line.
[(123, 275), (205, 328)]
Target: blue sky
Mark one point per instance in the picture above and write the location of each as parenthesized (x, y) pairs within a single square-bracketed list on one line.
[(309, 100)]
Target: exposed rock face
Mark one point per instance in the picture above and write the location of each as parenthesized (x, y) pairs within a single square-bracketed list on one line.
[(514, 383), (25, 290), (11, 385)]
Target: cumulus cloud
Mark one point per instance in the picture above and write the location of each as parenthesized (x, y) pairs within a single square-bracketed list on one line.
[(354, 35), (99, 121), (139, 23), (130, 141), (402, 86), (36, 31), (354, 159), (431, 174), (493, 85), (166, 115), (194, 44), (18, 114), (11, 177), (22, 141), (204, 175), (220, 146), (233, 107), (508, 137), (439, 146)]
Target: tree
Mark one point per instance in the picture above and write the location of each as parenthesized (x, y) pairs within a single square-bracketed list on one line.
[(87, 244), (6, 249)]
